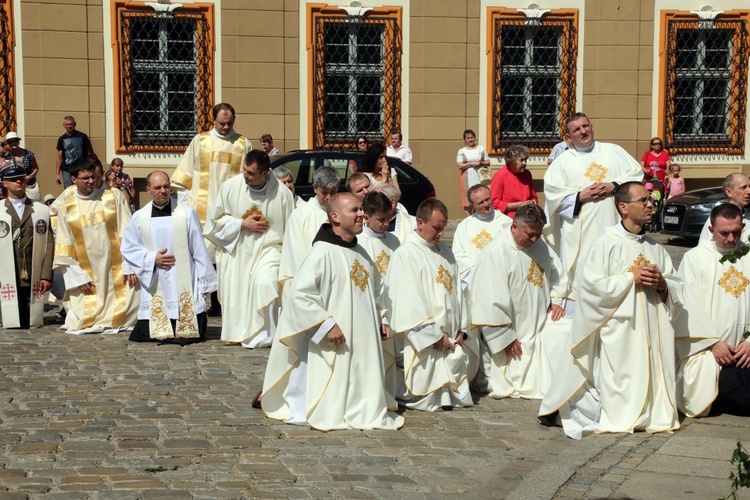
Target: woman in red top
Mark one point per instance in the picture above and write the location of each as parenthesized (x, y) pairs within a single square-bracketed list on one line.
[(512, 186), (656, 162)]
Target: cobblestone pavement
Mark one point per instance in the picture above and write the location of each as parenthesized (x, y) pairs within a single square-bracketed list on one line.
[(95, 416)]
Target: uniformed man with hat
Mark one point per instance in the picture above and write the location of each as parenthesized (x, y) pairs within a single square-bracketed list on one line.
[(24, 233)]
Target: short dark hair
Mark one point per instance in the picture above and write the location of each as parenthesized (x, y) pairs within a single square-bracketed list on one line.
[(425, 209), (400, 137), (622, 193), (221, 107), (728, 211), (82, 165), (356, 176), (574, 117), (530, 215), (468, 131), (266, 137), (376, 202), (259, 157)]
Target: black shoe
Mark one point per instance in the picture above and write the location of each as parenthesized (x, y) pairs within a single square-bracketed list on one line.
[(549, 420), (214, 311)]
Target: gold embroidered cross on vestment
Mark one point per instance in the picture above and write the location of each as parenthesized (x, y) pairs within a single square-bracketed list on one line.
[(359, 275), (445, 279), (535, 275), (733, 282), (639, 261), (482, 239), (382, 262), (596, 172)]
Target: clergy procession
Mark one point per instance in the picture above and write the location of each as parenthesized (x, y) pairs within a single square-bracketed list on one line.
[(369, 314)]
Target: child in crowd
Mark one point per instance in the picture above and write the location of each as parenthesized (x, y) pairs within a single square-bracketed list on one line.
[(676, 184)]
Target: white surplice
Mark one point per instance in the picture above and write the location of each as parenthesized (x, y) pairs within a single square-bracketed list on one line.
[(510, 292), (618, 374), (301, 229), (143, 260), (570, 173), (209, 161), (308, 379), (426, 301), (380, 248), (248, 263), (87, 249), (472, 235), (716, 307)]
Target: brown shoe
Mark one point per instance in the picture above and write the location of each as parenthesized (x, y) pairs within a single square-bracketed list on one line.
[(256, 400)]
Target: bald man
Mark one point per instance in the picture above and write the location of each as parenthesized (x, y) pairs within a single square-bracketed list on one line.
[(326, 363), (737, 190)]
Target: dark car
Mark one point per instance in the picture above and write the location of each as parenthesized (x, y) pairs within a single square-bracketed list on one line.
[(415, 187), (686, 214)]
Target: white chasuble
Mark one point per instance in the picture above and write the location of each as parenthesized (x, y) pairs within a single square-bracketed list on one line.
[(87, 249), (706, 234), (37, 215), (176, 293), (716, 307), (209, 161), (248, 263), (570, 173), (301, 229), (380, 248), (308, 379), (510, 294), (619, 374), (426, 301)]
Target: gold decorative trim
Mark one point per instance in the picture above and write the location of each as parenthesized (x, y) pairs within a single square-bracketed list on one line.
[(482, 239), (445, 279), (596, 172), (359, 275), (382, 261), (255, 210), (159, 325), (733, 282), (535, 275), (639, 261)]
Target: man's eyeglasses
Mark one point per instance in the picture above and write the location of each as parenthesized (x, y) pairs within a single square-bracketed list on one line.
[(644, 201)]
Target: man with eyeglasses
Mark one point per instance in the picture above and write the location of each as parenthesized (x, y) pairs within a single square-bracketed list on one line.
[(618, 372), (579, 187), (737, 190), (24, 233), (713, 375), (101, 294)]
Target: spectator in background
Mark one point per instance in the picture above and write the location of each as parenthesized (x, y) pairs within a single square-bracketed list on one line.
[(125, 183), (397, 149), (114, 181), (284, 175), (559, 149), (676, 183), (49, 199), (655, 162), (512, 186), (71, 146), (25, 158), (362, 143), (376, 167), (266, 141), (471, 159)]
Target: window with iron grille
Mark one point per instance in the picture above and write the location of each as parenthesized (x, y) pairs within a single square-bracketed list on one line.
[(7, 82), (167, 71), (706, 86), (533, 79), (356, 79)]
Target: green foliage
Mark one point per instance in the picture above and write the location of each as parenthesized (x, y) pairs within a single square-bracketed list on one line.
[(741, 476), (736, 255)]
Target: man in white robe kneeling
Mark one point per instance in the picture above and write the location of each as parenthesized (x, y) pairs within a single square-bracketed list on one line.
[(518, 287), (618, 374), (163, 244), (427, 306), (326, 364), (247, 223), (713, 375)]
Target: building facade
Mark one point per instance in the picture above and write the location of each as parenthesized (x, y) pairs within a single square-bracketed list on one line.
[(141, 78)]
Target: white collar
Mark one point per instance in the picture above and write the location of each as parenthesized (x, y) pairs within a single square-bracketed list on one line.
[(369, 233)]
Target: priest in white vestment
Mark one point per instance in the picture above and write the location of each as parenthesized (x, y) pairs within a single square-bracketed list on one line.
[(164, 246), (619, 373), (359, 184), (326, 364), (305, 222), (101, 289), (286, 178), (380, 245), (737, 190), (247, 223), (516, 291), (402, 224), (578, 187), (211, 158), (472, 235), (427, 307), (713, 374)]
